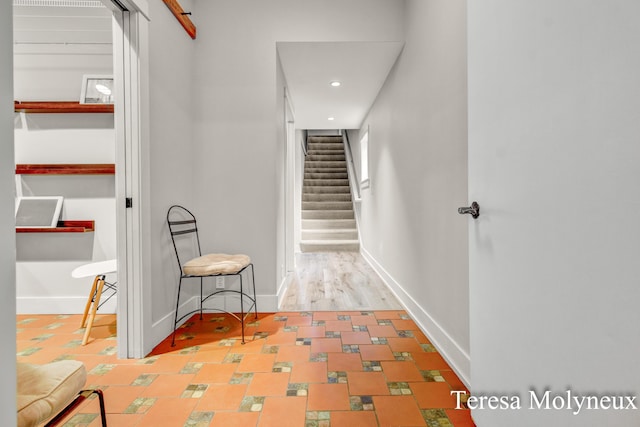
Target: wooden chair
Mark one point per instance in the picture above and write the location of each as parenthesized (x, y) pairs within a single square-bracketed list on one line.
[(99, 271)]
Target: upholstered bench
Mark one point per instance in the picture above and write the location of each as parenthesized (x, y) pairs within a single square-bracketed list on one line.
[(51, 391)]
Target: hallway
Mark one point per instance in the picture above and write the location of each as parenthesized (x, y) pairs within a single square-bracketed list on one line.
[(336, 281)]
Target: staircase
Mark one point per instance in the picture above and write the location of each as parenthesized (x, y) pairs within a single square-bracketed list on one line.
[(328, 223)]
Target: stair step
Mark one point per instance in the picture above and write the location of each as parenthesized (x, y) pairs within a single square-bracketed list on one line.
[(325, 152), (327, 206), (331, 234), (331, 139), (327, 175), (326, 197), (330, 246), (328, 224), (325, 170), (324, 182), (326, 164), (327, 214), (323, 189), (325, 157), (324, 145)]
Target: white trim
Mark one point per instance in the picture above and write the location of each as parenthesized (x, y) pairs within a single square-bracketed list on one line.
[(455, 356), (61, 305), (282, 290)]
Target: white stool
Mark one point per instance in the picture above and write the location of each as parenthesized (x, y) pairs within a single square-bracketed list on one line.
[(99, 270)]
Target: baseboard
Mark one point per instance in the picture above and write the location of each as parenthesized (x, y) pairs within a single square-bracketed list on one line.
[(164, 327), (456, 357), (282, 289), (60, 305)]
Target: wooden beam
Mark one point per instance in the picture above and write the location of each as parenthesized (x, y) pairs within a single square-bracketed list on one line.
[(180, 15)]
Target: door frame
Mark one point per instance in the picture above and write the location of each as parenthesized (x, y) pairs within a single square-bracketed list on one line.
[(130, 21), (289, 184)]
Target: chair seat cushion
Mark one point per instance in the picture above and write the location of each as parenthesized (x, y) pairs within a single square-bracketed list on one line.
[(214, 264), (44, 390)]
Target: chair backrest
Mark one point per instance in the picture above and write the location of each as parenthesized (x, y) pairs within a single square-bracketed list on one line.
[(184, 234)]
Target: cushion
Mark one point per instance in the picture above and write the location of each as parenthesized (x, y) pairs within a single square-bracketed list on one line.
[(45, 390), (213, 264)]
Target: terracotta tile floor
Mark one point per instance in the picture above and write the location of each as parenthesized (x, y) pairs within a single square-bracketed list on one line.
[(301, 369)]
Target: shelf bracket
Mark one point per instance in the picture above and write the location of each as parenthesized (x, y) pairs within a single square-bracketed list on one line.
[(182, 17)]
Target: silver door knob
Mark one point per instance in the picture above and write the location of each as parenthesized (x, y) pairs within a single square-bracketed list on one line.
[(473, 210)]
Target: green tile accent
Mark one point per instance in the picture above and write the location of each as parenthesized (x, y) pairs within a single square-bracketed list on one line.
[(332, 334), (270, 349), (227, 342), (360, 328), (194, 391), (54, 326), (384, 322), (303, 341), (233, 358), (366, 313), (318, 357), (148, 361), (80, 420), (339, 377), (280, 318), (290, 329), (190, 350), (399, 389), (252, 404), (199, 419), (436, 418), (29, 351), (260, 335), (222, 329), (350, 348), (241, 378), (218, 319), (144, 380), (344, 317), (318, 323), (26, 321), (109, 351), (432, 376), (102, 369), (402, 355), (185, 336), (73, 344), (140, 405), (297, 389), (405, 317), (406, 334), (306, 314), (371, 366), (361, 403), (64, 357), (192, 368), (282, 367), (428, 348), (317, 419)]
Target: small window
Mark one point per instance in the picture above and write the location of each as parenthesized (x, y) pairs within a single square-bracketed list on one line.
[(364, 160)]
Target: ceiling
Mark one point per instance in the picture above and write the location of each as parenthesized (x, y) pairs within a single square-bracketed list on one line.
[(310, 67)]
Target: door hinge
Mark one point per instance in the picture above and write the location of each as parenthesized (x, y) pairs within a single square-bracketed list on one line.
[(129, 202)]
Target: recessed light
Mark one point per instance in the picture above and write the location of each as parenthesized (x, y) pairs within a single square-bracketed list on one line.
[(335, 83), (331, 118)]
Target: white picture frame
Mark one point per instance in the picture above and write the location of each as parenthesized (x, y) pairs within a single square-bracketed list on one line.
[(38, 212), (97, 89)]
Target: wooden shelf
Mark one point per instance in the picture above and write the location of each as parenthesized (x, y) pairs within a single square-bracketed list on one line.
[(60, 107), (68, 226), (66, 169)]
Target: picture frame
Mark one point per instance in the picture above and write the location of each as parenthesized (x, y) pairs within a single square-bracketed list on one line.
[(97, 89), (38, 212)]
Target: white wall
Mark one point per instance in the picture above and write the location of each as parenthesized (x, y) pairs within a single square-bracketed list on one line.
[(554, 106), (410, 229), (7, 221), (236, 153), (170, 178), (54, 72)]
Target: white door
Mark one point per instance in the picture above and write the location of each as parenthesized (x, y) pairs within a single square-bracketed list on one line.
[(554, 162)]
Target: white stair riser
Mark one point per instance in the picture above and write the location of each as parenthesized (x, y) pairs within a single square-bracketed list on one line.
[(329, 235), (318, 214), (328, 224), (327, 197)]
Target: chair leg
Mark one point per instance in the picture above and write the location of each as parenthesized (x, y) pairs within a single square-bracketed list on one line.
[(175, 319), (241, 309), (201, 295), (255, 300), (103, 415), (94, 309), (81, 397), (92, 295)]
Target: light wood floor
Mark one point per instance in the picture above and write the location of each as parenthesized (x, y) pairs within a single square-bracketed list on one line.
[(333, 281)]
